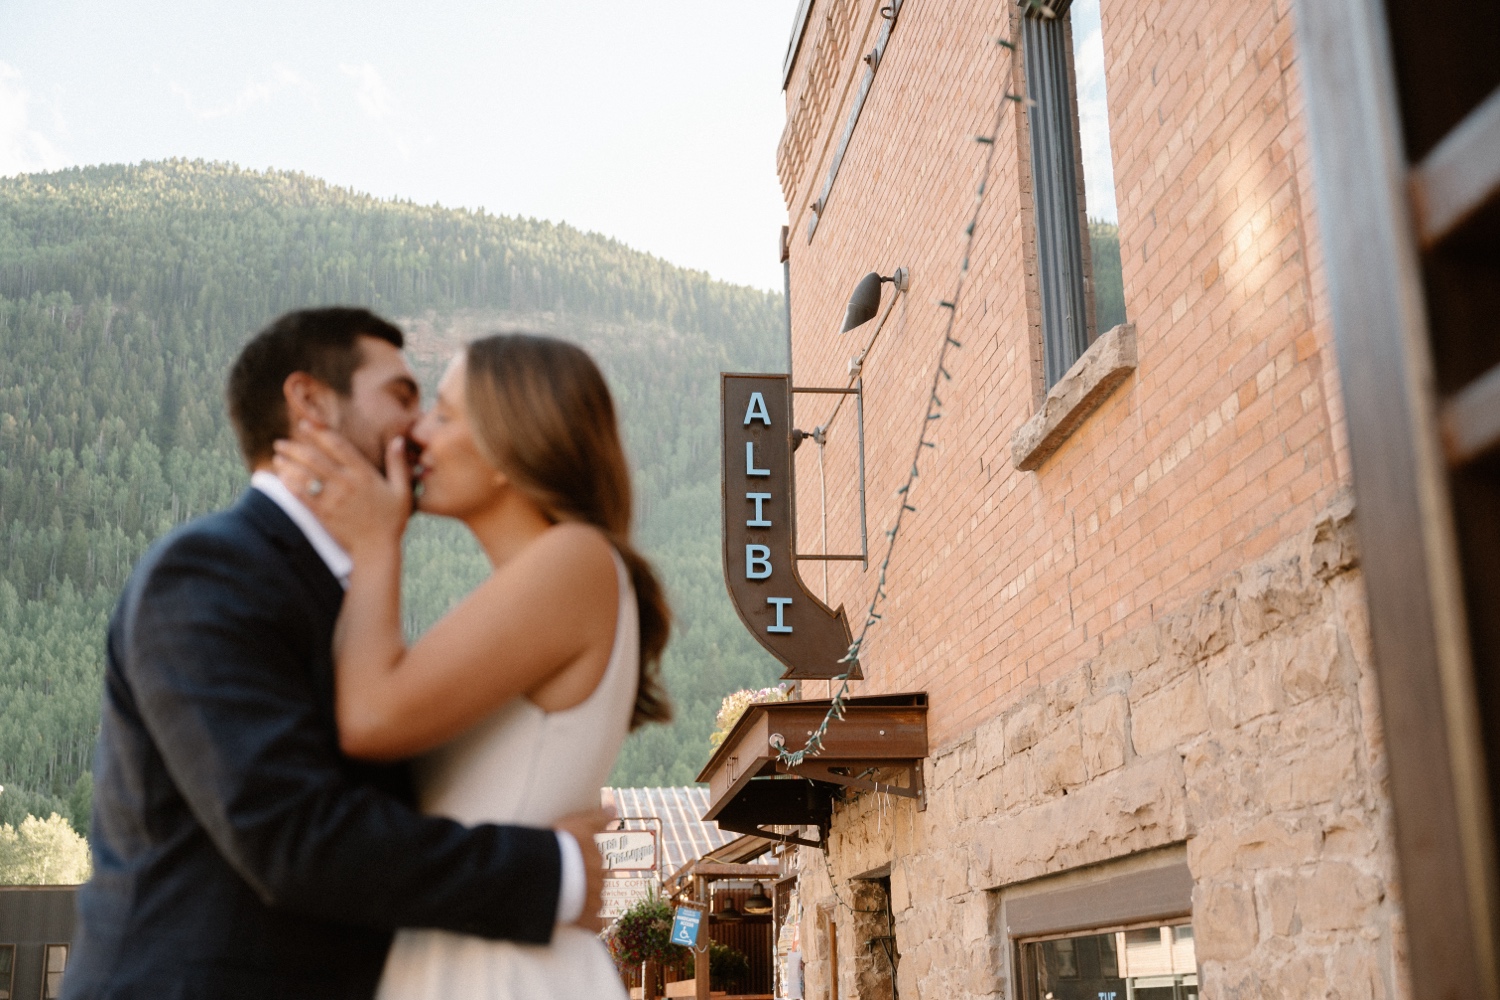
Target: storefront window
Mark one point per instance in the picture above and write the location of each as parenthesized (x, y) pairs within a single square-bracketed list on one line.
[(1146, 963), (56, 964)]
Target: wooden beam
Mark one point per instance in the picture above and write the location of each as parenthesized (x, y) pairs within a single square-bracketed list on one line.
[(1409, 551), (1460, 176), (710, 870), (1471, 420), (700, 951), (833, 958)]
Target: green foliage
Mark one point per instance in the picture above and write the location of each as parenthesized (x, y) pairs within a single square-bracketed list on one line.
[(736, 703), (1109, 281), (43, 852), (728, 968), (125, 291)]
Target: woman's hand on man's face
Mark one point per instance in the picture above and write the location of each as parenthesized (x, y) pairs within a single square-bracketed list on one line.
[(349, 496)]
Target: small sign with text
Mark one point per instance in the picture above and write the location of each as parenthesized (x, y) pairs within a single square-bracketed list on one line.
[(685, 926), (620, 894), (627, 850)]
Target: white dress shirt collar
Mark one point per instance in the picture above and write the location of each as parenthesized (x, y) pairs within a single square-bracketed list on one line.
[(330, 551)]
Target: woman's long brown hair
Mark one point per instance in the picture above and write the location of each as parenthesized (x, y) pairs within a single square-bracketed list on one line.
[(543, 415)]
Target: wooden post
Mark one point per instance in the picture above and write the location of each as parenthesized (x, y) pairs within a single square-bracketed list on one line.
[(833, 959), (649, 977), (700, 951)]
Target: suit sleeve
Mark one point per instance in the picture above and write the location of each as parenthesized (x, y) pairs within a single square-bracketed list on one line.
[(225, 693)]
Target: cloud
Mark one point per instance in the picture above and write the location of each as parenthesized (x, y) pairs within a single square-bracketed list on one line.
[(372, 95), (23, 149), (255, 93)]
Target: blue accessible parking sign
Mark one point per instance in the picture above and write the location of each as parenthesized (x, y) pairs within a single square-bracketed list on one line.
[(685, 926)]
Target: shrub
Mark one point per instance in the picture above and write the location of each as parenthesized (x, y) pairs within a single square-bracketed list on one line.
[(728, 968), (736, 704)]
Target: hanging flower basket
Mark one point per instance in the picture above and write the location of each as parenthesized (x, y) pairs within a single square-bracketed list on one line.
[(643, 934)]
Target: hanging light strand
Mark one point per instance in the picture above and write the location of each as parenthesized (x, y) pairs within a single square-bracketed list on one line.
[(933, 413)]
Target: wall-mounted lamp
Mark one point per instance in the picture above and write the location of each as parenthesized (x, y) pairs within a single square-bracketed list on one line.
[(865, 302)]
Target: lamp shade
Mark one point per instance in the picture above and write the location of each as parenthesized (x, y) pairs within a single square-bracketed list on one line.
[(864, 303), (758, 901)]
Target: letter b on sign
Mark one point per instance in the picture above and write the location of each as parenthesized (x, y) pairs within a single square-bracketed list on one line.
[(757, 562)]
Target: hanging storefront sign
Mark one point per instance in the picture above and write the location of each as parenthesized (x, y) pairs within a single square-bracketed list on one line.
[(686, 925), (627, 850), (620, 894), (760, 566)]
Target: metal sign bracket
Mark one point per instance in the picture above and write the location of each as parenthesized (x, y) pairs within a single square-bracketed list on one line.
[(858, 392)]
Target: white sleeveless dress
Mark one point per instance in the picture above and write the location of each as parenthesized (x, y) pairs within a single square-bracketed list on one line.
[(528, 767)]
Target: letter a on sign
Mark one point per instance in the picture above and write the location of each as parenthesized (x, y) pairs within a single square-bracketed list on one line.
[(760, 566), (757, 410)]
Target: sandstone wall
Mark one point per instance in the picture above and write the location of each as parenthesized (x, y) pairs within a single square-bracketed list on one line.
[(1243, 723)]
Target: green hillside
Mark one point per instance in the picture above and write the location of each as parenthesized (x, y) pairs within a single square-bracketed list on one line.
[(124, 293)]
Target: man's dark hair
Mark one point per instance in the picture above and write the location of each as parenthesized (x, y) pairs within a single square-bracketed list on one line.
[(324, 343)]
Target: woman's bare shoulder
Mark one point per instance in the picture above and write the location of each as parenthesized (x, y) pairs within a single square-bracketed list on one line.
[(575, 540), (570, 561)]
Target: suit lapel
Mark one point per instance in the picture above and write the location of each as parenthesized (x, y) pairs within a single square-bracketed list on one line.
[(264, 516), (263, 513)]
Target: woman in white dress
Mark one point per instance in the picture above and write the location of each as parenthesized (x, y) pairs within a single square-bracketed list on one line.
[(518, 700)]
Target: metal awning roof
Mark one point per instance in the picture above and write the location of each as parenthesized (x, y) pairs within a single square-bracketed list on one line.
[(749, 789), (685, 836)]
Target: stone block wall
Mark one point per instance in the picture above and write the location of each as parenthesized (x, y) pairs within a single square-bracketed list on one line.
[(1242, 723)]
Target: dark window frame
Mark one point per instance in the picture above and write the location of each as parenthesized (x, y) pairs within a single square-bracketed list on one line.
[(1064, 271), (1024, 953), (1152, 888), (8, 975)]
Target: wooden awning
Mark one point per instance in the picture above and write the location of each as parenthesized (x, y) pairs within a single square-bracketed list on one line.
[(749, 789)]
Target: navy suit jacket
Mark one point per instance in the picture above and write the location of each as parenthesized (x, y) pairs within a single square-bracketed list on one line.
[(237, 853)]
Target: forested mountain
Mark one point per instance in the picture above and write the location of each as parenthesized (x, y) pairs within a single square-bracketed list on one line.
[(125, 292)]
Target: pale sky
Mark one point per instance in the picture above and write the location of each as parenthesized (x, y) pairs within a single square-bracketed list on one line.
[(653, 122), (1093, 111)]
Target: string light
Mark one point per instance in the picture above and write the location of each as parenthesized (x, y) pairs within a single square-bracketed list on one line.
[(838, 703)]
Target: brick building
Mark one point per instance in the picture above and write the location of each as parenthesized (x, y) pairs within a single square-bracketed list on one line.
[(1130, 591)]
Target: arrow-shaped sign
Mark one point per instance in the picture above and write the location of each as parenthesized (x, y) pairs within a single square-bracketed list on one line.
[(760, 565)]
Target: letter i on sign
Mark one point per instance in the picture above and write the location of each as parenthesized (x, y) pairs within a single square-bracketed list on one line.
[(780, 603)]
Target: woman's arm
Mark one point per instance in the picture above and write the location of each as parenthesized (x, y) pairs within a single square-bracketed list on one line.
[(530, 620), (549, 611)]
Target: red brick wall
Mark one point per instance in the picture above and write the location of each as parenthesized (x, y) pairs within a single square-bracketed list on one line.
[(1226, 441)]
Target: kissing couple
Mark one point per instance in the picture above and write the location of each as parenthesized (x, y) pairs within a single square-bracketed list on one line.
[(257, 830)]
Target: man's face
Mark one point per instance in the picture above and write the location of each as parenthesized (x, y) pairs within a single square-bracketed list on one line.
[(384, 400)]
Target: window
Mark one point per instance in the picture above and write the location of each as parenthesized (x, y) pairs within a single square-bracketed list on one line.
[(1144, 963), (1072, 179), (56, 960), (7, 970)]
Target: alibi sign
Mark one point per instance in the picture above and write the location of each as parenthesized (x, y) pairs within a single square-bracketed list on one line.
[(760, 565)]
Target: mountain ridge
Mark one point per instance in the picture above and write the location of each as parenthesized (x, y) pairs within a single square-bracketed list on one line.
[(126, 289)]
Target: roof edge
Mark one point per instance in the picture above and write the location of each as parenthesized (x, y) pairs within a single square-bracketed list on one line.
[(799, 26)]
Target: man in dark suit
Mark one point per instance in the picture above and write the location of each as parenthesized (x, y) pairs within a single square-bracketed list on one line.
[(237, 853)]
